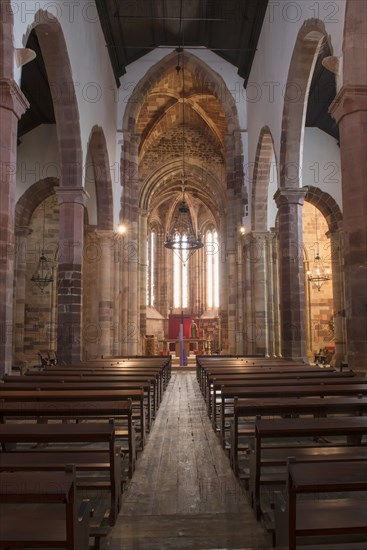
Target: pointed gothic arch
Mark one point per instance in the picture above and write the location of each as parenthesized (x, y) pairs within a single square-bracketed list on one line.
[(260, 184), (306, 49), (55, 54), (97, 148)]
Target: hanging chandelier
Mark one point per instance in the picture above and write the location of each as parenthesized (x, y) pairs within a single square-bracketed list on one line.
[(182, 237), (42, 277), (319, 274)]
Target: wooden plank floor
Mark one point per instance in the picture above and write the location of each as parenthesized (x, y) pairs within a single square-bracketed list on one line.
[(183, 494)]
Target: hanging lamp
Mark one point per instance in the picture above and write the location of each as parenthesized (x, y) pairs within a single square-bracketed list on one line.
[(42, 277), (319, 274), (182, 237)]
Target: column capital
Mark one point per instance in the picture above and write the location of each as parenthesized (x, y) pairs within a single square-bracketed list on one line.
[(285, 196), (350, 99), (261, 235), (76, 195), (105, 234), (12, 97)]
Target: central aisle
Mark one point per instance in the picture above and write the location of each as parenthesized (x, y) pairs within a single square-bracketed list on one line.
[(183, 494)]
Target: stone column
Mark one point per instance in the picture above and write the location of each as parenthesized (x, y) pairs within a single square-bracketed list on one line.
[(336, 245), (12, 106), (276, 288), (292, 302), (104, 291), (69, 320), (308, 326), (259, 290), (270, 317), (249, 329), (21, 234), (350, 111), (240, 298), (130, 297), (117, 282), (143, 273)]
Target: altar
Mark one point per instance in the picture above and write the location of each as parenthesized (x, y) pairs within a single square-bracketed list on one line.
[(169, 345)]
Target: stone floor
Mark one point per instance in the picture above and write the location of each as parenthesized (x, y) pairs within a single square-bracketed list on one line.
[(183, 494)]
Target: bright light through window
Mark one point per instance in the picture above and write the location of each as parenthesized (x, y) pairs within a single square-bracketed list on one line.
[(180, 281), (212, 269)]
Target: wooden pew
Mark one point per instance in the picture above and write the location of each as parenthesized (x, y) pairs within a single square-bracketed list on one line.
[(286, 428), (320, 516), (81, 385), (93, 433), (277, 379), (79, 410), (250, 409), (105, 372), (300, 390), (79, 396), (153, 397), (48, 517), (217, 362)]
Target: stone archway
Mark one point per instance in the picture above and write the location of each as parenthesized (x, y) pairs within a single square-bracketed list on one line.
[(261, 304), (230, 144), (70, 194), (290, 196), (334, 220), (100, 270), (27, 297), (260, 185)]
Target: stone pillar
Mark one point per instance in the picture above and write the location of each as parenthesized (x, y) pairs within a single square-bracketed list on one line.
[(240, 298), (270, 316), (276, 288), (130, 296), (350, 111), (21, 234), (69, 319), (249, 328), (143, 235), (336, 246), (308, 326), (12, 106), (104, 291), (292, 302), (117, 281), (259, 290)]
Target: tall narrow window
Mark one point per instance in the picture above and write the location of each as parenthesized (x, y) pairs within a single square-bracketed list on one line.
[(180, 282), (151, 251), (212, 269)]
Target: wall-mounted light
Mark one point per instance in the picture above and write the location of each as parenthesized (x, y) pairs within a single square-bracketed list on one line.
[(242, 230), (121, 229)]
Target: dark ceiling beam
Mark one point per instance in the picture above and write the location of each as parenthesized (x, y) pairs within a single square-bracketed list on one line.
[(103, 14), (257, 18)]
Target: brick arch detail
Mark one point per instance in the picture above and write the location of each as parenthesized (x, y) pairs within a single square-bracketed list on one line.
[(32, 198), (260, 180), (305, 52), (327, 206), (99, 155), (6, 40), (60, 78), (203, 73)]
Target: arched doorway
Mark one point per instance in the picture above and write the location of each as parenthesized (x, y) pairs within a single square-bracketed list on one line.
[(153, 171)]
